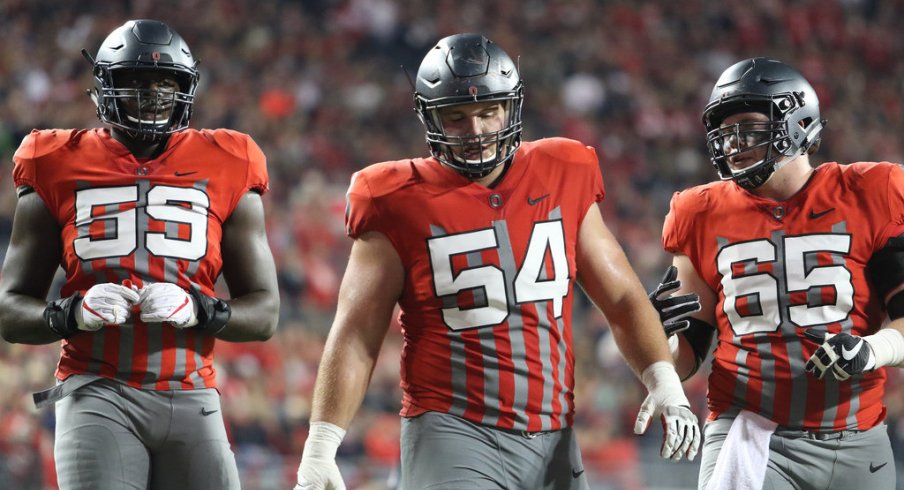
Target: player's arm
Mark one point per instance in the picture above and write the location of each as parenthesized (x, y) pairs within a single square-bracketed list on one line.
[(608, 279), (694, 342), (31, 261), (370, 288), (250, 274)]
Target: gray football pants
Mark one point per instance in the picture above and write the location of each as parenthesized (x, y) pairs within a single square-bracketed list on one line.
[(801, 460), (110, 436), (445, 452)]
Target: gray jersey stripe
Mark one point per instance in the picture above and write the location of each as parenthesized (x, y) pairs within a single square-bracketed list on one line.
[(142, 268), (97, 343), (456, 355), (192, 269), (171, 265), (195, 378), (847, 326), (544, 338), (181, 352), (797, 405), (741, 378), (562, 348), (487, 354), (199, 346), (764, 341), (544, 332), (516, 327)]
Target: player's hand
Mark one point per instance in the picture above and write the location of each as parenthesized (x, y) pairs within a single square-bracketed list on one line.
[(105, 304), (844, 354), (315, 473), (318, 469), (680, 430), (167, 302), (673, 309)]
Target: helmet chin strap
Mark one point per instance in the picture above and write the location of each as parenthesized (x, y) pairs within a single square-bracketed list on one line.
[(762, 175)]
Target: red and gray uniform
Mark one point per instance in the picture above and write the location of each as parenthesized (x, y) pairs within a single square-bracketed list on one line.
[(145, 412), (782, 267), (489, 276), (158, 220)]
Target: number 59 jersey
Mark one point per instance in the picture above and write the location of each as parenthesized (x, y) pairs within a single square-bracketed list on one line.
[(486, 305), (780, 268), (157, 220)]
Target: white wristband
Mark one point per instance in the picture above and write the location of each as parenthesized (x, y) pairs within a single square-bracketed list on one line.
[(888, 347), (323, 439), (660, 377)]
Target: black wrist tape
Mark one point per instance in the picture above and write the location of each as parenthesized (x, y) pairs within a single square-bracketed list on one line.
[(59, 315), (700, 337), (213, 313)]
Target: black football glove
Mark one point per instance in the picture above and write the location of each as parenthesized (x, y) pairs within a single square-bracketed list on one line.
[(673, 309), (845, 354)]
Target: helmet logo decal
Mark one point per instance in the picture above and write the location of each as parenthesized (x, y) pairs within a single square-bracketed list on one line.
[(472, 91), (155, 56)]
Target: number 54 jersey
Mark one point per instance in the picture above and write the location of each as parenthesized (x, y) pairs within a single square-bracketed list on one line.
[(486, 305), (157, 220), (782, 267)]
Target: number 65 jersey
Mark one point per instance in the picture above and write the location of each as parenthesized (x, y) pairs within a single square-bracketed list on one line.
[(157, 220), (779, 268), (486, 304)]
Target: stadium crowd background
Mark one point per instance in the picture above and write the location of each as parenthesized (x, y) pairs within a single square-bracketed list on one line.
[(318, 84)]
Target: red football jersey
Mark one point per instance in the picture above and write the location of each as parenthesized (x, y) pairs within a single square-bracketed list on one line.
[(157, 220), (486, 306), (782, 267)]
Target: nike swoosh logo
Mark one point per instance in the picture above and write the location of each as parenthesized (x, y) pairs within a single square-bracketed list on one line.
[(875, 468), (815, 215), (850, 354), (206, 412), (535, 201), (183, 174), (575, 474)]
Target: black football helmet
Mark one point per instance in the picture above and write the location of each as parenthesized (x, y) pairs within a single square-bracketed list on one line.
[(463, 69), (144, 45), (769, 87)]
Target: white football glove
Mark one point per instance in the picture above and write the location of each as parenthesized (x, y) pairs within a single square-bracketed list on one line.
[(681, 432), (318, 469), (105, 304), (167, 302)]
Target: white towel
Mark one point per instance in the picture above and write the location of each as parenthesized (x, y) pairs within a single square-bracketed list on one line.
[(741, 464)]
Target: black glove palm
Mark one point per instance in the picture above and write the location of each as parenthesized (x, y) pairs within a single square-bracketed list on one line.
[(673, 309)]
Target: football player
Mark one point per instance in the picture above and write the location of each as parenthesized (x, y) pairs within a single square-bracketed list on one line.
[(796, 268), (481, 246), (143, 216)]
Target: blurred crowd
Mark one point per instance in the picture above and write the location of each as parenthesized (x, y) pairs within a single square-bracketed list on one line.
[(323, 86)]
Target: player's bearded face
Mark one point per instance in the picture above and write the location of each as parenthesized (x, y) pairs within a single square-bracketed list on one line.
[(474, 126), (151, 97), (745, 139)]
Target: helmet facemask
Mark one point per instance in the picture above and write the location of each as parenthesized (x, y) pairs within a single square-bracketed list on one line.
[(148, 114), (466, 153)]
